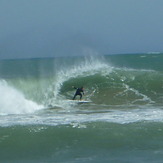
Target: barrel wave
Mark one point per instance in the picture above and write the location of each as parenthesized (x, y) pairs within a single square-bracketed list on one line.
[(49, 83)]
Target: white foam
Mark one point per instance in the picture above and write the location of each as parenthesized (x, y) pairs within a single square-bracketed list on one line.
[(13, 101), (80, 119), (140, 97)]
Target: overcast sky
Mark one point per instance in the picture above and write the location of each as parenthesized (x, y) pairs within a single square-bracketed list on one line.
[(48, 28)]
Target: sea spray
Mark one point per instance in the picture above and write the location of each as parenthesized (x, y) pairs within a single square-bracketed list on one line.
[(14, 102)]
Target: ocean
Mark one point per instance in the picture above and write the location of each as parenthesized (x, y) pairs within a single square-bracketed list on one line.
[(122, 123)]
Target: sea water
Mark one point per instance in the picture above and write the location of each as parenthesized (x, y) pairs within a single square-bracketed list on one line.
[(122, 124)]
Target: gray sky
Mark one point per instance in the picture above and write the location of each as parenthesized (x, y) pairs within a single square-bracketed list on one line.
[(47, 28)]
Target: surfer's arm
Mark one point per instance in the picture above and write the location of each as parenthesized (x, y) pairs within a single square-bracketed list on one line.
[(74, 87)]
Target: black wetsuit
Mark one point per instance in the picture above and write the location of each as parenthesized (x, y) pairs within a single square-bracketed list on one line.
[(78, 92)]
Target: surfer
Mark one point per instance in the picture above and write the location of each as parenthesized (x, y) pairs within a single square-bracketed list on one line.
[(79, 92)]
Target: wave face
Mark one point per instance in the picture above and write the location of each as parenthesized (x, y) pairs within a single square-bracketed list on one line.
[(116, 86)]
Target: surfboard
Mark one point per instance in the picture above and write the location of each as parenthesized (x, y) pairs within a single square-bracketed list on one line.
[(78, 101)]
